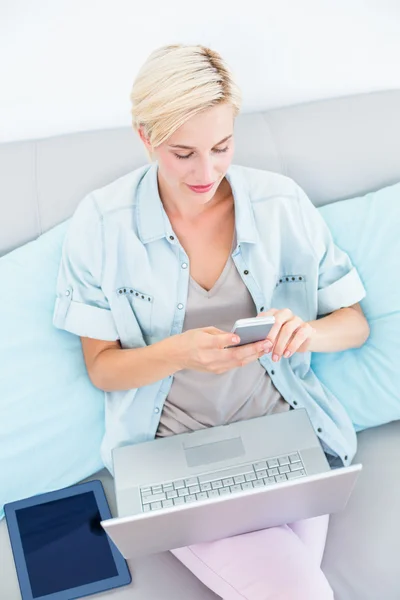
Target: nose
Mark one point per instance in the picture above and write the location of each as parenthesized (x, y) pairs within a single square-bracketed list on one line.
[(204, 173)]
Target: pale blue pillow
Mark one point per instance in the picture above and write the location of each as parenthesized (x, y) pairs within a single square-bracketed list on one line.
[(367, 379), (51, 416)]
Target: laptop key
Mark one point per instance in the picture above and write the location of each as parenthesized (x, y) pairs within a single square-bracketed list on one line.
[(194, 489), (213, 494), (280, 478), (202, 496), (295, 474), (236, 488), (178, 501), (225, 491), (258, 483), (216, 485), (261, 474), (179, 484), (273, 463), (284, 460), (239, 479), (273, 471), (250, 477), (284, 469), (269, 480), (146, 508), (172, 494), (247, 486), (296, 466), (183, 492), (153, 498), (155, 505), (167, 503), (205, 487), (156, 489), (294, 457), (260, 465), (190, 498), (191, 481), (228, 481)]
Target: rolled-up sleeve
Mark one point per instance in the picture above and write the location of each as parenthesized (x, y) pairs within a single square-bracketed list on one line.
[(81, 306), (339, 284)]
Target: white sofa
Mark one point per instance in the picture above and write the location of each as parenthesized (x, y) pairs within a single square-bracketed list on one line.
[(334, 149)]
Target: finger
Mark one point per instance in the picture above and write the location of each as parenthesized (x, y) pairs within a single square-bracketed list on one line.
[(250, 359), (281, 316), (248, 352), (225, 340), (296, 343), (268, 313), (286, 332), (212, 330)]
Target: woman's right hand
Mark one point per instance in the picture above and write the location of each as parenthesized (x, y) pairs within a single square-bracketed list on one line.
[(205, 349)]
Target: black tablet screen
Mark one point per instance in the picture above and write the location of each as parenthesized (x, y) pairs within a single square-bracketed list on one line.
[(64, 544)]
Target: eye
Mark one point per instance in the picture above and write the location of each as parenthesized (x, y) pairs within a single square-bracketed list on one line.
[(187, 155), (191, 153), (223, 150)]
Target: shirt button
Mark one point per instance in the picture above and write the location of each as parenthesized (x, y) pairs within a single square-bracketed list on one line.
[(319, 430), (295, 402), (156, 410), (67, 293), (184, 265), (180, 306), (272, 372), (246, 272)]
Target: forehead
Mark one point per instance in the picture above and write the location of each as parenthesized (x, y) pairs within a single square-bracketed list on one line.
[(205, 129)]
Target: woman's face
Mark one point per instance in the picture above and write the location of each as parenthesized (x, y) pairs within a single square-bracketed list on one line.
[(209, 142)]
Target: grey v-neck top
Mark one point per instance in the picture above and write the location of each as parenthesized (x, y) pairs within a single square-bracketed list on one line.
[(198, 400)]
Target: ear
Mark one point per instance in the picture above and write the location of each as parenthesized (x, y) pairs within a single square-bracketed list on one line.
[(143, 137)]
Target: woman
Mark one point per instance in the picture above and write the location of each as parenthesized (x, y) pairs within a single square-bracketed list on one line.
[(156, 268)]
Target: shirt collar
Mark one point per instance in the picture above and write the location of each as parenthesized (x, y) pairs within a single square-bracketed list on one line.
[(153, 222)]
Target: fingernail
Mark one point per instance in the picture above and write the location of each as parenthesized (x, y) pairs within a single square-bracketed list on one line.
[(267, 346), (275, 358), (287, 354)]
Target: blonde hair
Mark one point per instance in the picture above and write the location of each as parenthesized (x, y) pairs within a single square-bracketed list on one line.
[(175, 83)]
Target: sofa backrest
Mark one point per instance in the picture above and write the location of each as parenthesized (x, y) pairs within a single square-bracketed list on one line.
[(334, 149)]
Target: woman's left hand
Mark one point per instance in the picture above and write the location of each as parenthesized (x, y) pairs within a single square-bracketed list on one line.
[(289, 334)]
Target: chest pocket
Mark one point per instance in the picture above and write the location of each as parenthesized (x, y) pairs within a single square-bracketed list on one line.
[(291, 292), (141, 305)]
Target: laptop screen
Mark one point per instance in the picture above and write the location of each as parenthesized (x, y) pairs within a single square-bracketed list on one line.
[(64, 544)]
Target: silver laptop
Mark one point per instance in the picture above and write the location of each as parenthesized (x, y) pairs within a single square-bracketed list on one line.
[(223, 481)]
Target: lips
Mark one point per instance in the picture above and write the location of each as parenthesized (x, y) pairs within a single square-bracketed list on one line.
[(201, 188)]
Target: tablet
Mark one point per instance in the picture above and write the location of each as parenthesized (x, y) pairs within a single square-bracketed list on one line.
[(60, 549)]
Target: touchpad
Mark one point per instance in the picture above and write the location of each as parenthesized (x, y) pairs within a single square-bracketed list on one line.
[(214, 452)]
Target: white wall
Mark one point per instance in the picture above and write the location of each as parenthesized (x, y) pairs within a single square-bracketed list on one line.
[(68, 65)]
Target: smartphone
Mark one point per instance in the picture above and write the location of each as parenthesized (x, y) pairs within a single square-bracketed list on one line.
[(252, 330)]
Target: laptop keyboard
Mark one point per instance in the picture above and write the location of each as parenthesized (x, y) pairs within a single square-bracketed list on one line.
[(222, 483)]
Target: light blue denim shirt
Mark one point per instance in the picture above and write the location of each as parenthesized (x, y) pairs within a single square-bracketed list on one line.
[(124, 276)]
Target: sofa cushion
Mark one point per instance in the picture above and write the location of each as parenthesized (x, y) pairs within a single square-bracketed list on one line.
[(363, 545), (367, 379), (51, 416)]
